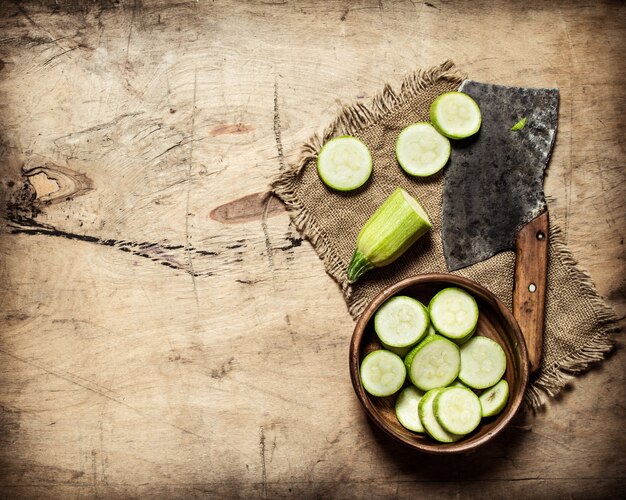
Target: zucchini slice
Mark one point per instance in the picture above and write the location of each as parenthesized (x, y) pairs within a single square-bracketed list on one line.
[(401, 322), (454, 314), (434, 363), (458, 410), (421, 150), (382, 373), (344, 163), (429, 421), (483, 363), (456, 115), (406, 409), (494, 400)]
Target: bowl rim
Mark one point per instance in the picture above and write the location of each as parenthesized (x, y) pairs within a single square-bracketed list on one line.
[(357, 337)]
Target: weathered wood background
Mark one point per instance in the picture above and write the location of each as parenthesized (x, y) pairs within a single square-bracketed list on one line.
[(165, 332)]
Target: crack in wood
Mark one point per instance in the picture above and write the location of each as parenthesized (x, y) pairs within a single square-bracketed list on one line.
[(191, 269), (99, 126), (177, 145), (278, 129), (263, 464), (294, 241), (26, 206), (157, 252), (266, 234), (59, 55)]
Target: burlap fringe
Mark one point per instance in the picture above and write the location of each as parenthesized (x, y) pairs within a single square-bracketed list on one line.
[(351, 120), (552, 379), (356, 306)]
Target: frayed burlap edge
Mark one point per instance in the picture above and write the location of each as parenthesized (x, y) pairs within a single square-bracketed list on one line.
[(352, 119), (552, 379), (357, 118)]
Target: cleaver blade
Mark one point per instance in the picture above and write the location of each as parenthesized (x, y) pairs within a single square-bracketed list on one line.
[(493, 196), (494, 181)]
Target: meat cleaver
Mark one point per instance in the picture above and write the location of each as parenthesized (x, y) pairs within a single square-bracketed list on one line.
[(493, 195)]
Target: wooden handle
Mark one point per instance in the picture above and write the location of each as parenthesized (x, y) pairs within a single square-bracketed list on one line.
[(531, 265)]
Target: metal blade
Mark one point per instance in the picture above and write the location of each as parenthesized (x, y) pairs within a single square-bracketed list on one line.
[(494, 180)]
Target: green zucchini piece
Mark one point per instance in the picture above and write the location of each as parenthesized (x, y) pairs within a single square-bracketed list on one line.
[(457, 410), (454, 314), (406, 409), (426, 413), (421, 150), (401, 322), (434, 363), (494, 400), (394, 227), (382, 373), (483, 363), (456, 115), (408, 358), (344, 163), (519, 125)]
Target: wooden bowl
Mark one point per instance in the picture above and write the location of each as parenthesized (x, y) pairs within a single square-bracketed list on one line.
[(495, 321)]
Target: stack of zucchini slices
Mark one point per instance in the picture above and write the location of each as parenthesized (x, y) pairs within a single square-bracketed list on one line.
[(455, 376)]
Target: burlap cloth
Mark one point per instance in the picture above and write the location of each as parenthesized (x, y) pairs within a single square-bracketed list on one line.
[(578, 322)]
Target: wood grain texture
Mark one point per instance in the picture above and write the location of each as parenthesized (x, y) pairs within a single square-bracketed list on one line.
[(529, 292), (153, 345)]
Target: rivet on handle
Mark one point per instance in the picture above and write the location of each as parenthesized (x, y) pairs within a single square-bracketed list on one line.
[(532, 288)]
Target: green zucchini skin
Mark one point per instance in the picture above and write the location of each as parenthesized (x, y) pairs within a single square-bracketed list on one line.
[(359, 265), (398, 223)]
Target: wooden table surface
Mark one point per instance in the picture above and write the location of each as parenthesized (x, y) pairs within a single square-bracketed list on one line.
[(165, 332)]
